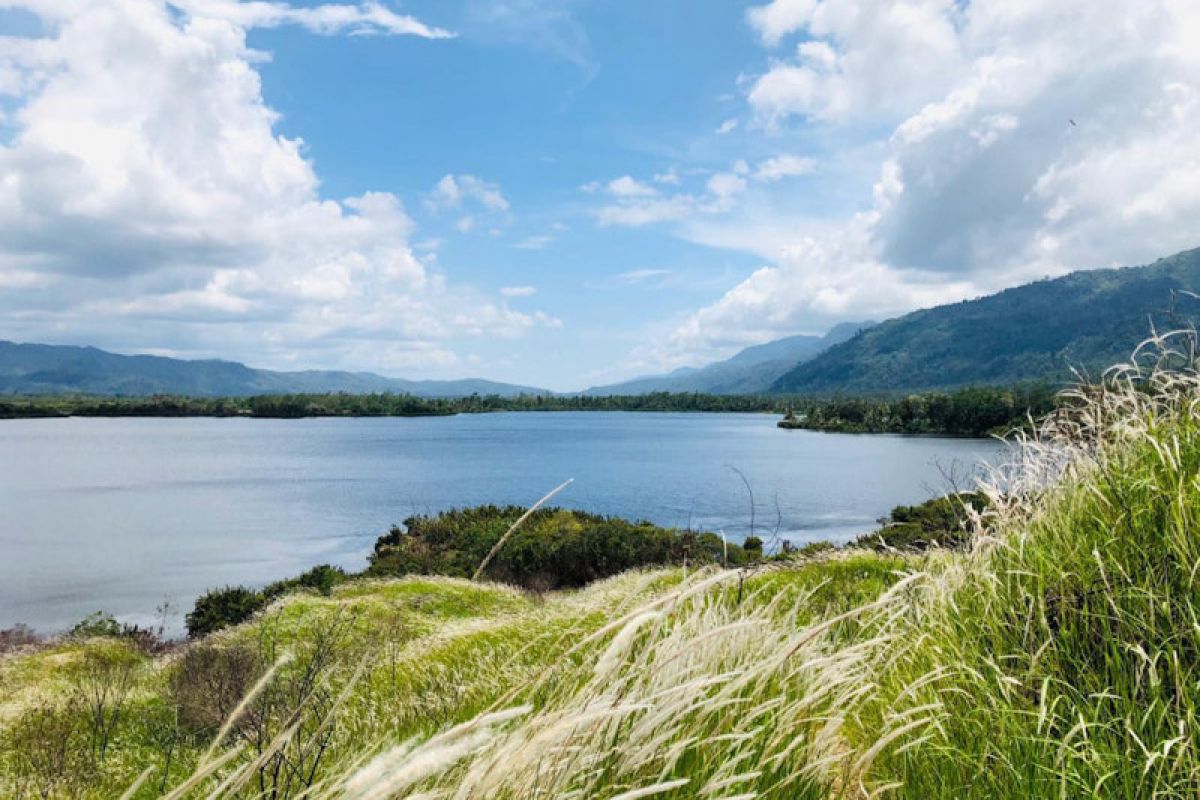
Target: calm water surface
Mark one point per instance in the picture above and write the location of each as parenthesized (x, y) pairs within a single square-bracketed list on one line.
[(121, 514)]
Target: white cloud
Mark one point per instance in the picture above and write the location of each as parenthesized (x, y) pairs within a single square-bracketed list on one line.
[(784, 166), (779, 18), (626, 186), (647, 211), (1026, 139), (725, 185), (146, 196), (364, 18), (637, 204), (638, 276), (863, 57), (518, 291), (453, 190), (728, 126)]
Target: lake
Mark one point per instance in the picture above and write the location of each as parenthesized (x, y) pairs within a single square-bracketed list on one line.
[(122, 514)]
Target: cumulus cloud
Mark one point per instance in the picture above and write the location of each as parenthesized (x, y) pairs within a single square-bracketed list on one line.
[(145, 196), (1022, 140), (862, 57)]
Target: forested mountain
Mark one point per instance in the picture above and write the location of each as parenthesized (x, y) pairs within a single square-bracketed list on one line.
[(751, 371), (1040, 331), (57, 369)]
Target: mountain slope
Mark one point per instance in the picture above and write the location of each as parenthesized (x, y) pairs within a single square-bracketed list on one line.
[(58, 369), (1086, 320), (750, 371)]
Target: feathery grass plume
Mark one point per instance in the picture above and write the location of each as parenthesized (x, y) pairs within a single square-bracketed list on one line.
[(405, 765), (620, 643), (648, 791)]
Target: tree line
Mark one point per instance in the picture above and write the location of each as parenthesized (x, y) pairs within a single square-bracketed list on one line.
[(974, 411), (291, 406)]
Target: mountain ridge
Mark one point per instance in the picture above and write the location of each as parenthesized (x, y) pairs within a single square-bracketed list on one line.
[(1084, 320), (30, 368)]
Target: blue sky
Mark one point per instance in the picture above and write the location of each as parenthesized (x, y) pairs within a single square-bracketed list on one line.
[(540, 109), (569, 193)]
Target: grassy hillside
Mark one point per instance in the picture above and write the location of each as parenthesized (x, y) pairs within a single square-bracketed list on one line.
[(1039, 331), (1057, 658)]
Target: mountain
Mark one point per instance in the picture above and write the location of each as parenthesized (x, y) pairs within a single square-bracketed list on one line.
[(58, 369), (1086, 320), (751, 371)]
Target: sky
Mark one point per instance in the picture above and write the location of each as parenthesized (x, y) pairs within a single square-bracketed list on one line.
[(563, 194)]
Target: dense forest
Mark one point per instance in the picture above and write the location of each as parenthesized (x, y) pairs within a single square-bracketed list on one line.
[(978, 411)]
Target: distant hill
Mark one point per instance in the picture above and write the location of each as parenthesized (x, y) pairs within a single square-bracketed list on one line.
[(1087, 320), (751, 371), (58, 369)]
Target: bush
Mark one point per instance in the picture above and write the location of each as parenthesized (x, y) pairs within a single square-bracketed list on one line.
[(18, 636), (232, 605), (940, 522), (220, 608), (49, 751), (99, 623), (321, 579), (210, 681), (554, 548)]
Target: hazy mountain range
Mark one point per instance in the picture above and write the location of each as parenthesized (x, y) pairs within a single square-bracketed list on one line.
[(57, 369), (751, 371), (1086, 320)]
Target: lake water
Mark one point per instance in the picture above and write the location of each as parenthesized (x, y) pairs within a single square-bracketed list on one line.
[(122, 514)]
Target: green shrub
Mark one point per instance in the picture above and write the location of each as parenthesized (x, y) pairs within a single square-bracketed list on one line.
[(220, 608), (99, 623), (320, 579), (940, 522)]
